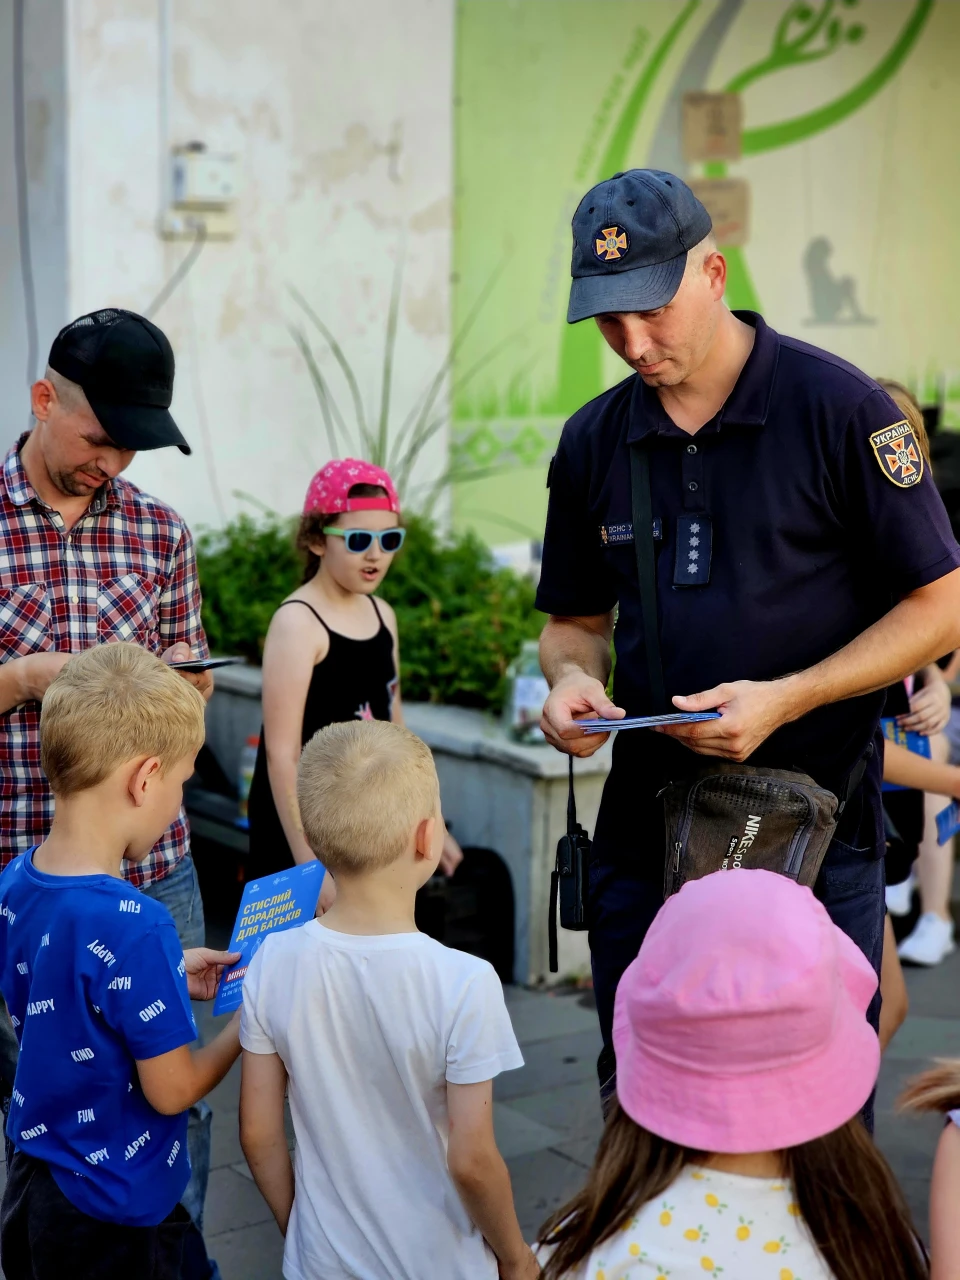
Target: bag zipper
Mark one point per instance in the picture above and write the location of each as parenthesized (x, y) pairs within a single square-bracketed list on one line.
[(683, 832), (795, 853)]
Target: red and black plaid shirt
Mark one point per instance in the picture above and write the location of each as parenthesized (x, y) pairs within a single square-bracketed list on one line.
[(125, 571)]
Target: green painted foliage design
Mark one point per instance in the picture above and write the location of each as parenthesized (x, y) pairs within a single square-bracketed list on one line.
[(805, 33)]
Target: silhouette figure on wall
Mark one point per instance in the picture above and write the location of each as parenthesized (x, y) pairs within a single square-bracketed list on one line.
[(833, 299)]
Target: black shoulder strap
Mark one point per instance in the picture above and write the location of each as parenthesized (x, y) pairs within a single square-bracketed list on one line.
[(571, 800), (555, 874), (647, 574), (853, 779), (552, 959), (312, 610)]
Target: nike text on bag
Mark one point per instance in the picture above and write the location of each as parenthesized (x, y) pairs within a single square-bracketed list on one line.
[(732, 816)]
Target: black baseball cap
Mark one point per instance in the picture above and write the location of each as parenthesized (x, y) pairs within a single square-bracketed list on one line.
[(125, 366), (631, 236)]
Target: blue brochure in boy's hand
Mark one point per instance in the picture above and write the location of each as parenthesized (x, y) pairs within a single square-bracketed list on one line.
[(268, 905)]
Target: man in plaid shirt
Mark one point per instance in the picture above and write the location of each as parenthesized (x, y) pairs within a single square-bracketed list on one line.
[(86, 558)]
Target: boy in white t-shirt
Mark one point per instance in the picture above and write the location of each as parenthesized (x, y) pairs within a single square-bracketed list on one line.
[(389, 1041)]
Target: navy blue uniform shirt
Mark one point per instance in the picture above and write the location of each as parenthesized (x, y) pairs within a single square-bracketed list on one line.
[(94, 978), (804, 533)]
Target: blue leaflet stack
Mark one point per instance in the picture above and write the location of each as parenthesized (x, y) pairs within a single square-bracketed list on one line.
[(647, 722)]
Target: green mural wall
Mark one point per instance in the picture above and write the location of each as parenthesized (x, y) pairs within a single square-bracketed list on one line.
[(847, 148)]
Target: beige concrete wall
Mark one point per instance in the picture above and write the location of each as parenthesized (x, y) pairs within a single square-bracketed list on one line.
[(40, 289), (340, 117)]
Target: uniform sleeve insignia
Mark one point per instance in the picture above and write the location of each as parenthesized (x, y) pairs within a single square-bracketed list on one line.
[(612, 242), (898, 454)]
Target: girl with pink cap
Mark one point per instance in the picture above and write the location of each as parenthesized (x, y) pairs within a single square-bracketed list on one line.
[(331, 653), (736, 1148)]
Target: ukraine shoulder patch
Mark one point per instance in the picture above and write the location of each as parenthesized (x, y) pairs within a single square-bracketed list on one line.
[(898, 454)]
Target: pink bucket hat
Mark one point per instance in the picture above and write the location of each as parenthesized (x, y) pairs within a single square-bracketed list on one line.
[(329, 488), (741, 1024)]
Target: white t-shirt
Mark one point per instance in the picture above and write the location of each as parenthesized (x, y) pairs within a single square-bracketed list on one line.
[(711, 1225), (370, 1030)]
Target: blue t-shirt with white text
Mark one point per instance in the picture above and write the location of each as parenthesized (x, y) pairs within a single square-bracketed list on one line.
[(94, 978)]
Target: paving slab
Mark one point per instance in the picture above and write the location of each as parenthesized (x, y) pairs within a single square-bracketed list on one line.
[(572, 1110), (225, 1129), (550, 1064), (542, 1182), (926, 1037), (249, 1253), (544, 1015), (232, 1201), (518, 1134), (580, 1150)]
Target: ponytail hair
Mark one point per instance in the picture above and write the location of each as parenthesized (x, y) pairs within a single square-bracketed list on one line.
[(909, 406), (935, 1090), (849, 1200)]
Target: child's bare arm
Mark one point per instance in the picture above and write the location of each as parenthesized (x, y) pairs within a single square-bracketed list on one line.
[(907, 769), (481, 1177), (295, 643), (262, 1135), (944, 1198), (174, 1081)]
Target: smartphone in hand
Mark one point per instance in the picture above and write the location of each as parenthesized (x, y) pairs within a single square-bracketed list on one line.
[(196, 665)]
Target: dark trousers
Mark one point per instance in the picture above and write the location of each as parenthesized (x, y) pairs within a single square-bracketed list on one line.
[(45, 1237), (623, 904)]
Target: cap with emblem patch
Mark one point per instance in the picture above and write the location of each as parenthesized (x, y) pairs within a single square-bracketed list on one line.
[(125, 366), (631, 236)]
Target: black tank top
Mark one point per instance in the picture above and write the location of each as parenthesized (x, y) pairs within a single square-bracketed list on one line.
[(356, 680)]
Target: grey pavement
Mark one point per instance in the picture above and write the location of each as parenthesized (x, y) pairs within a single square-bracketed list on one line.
[(547, 1117)]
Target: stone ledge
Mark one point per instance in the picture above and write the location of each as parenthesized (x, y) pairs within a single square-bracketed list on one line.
[(456, 731)]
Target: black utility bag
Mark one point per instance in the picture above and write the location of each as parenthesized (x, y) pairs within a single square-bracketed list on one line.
[(569, 881), (721, 816), (729, 816)]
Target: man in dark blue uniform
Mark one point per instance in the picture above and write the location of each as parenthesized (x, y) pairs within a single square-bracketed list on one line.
[(804, 560)]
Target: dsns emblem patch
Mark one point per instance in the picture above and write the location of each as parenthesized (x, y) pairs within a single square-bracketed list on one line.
[(611, 243), (898, 453)]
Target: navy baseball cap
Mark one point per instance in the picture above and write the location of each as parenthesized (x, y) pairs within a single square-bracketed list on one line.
[(631, 236), (125, 366)]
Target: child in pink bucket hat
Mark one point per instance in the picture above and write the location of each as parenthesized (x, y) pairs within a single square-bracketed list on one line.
[(736, 1149)]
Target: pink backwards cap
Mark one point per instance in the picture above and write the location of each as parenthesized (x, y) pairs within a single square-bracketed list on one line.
[(329, 488)]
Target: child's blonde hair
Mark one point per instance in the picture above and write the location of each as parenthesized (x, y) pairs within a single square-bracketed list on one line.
[(909, 406), (363, 788), (937, 1089), (112, 703)]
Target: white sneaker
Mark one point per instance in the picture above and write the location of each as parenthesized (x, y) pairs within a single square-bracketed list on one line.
[(900, 896), (930, 942)]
